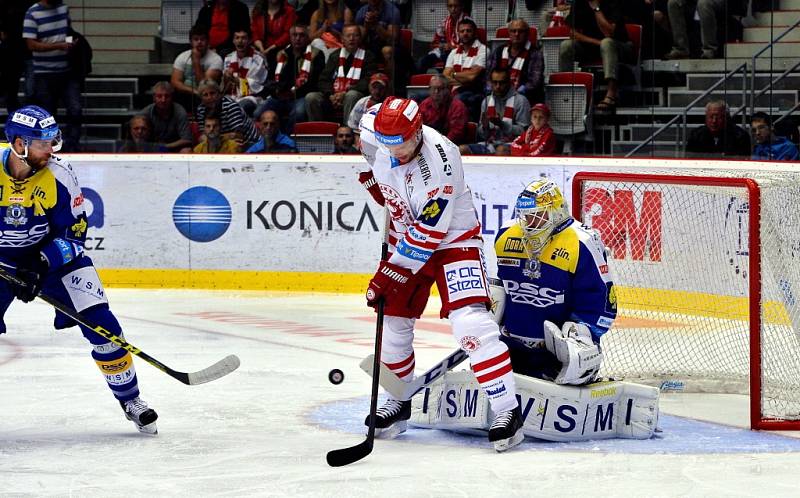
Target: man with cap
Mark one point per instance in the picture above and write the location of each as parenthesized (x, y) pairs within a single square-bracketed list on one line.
[(378, 84)]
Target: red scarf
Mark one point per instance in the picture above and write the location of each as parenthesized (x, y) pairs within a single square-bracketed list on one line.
[(305, 69), (535, 142), (491, 112), (462, 60), (449, 32), (516, 66), (343, 81)]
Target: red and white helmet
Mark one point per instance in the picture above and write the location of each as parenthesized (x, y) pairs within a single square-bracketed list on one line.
[(398, 121)]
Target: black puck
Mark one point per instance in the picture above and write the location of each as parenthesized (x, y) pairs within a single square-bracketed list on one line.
[(336, 376)]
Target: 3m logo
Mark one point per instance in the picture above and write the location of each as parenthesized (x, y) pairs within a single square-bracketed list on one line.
[(624, 219)]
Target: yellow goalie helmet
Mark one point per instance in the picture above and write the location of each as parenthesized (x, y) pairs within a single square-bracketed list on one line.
[(540, 209)]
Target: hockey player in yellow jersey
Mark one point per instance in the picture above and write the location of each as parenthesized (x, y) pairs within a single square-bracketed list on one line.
[(42, 233)]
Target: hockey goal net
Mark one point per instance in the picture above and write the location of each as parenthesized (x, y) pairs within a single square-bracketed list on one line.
[(707, 274)]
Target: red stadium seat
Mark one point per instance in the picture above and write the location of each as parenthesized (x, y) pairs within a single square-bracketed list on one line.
[(315, 136), (407, 39)]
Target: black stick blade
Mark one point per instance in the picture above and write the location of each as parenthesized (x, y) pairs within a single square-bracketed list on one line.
[(346, 456)]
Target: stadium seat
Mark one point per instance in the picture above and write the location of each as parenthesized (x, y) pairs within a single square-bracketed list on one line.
[(407, 39), (551, 46), (315, 136), (471, 136), (490, 14), (426, 18), (177, 18), (569, 96), (418, 86)]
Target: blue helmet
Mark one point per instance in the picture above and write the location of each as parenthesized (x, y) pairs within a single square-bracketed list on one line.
[(33, 123)]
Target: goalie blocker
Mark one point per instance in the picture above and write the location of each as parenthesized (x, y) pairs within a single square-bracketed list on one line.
[(552, 412)]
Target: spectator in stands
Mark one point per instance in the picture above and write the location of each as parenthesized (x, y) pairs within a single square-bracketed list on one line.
[(344, 80), (523, 59), (234, 122), (768, 146), (45, 30), (193, 66), (270, 27), (446, 37), (296, 74), (344, 140), (140, 136), (465, 67), (598, 32), (505, 114), (538, 139), (213, 141), (502, 150), (712, 14), (377, 93), (272, 141), (720, 136), (244, 73), (14, 52), (443, 113), (325, 28), (656, 33), (380, 21), (169, 120), (223, 18)]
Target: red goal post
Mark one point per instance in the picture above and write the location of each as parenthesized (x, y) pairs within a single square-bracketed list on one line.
[(706, 270)]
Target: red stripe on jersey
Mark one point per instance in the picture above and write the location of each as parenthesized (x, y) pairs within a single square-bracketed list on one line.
[(429, 232), (468, 235), (400, 364), (482, 379), (491, 362)]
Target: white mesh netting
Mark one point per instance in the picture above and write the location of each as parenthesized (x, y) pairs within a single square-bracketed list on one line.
[(679, 255)]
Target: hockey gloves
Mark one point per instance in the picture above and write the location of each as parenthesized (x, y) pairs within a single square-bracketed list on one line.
[(367, 179), (389, 283), (32, 274)]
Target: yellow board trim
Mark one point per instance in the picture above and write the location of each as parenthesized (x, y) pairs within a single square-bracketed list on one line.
[(656, 300)]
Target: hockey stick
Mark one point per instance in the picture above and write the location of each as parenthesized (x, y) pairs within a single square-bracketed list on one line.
[(219, 369), (346, 456), (406, 390)]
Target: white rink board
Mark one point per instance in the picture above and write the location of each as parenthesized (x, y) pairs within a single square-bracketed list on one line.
[(138, 194)]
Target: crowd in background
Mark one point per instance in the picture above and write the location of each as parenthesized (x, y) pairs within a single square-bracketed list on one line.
[(251, 75)]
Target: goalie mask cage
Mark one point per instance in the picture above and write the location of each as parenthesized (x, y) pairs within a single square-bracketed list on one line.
[(707, 276)]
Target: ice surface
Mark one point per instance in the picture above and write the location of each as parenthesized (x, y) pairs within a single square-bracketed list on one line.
[(264, 430)]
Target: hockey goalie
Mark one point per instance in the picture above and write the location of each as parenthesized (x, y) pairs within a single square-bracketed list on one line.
[(554, 299)]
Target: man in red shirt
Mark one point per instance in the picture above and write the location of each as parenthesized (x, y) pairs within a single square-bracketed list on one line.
[(443, 113), (223, 18)]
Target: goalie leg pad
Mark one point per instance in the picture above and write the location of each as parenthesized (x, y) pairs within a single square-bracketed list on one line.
[(397, 350), (479, 337), (573, 346), (551, 412)]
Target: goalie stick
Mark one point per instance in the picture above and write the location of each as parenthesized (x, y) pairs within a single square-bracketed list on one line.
[(219, 369), (406, 390), (346, 456)]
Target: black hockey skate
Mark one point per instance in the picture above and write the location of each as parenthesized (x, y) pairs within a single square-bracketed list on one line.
[(140, 414), (391, 418), (506, 430)]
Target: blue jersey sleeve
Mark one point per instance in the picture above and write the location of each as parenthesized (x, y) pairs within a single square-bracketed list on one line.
[(593, 298), (67, 218)]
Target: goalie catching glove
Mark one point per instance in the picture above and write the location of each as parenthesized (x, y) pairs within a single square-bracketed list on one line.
[(390, 283), (572, 345)]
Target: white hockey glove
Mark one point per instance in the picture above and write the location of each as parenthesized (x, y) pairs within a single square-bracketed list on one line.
[(580, 357), (498, 293)]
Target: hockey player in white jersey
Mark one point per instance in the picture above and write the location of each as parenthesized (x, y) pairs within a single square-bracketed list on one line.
[(435, 238)]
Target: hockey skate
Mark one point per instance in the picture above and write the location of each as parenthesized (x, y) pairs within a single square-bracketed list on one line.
[(391, 419), (506, 430), (140, 414)]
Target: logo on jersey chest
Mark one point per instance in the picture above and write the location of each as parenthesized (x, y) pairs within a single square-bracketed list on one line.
[(424, 169), (398, 207), (532, 294), (15, 215), (514, 244), (560, 253)]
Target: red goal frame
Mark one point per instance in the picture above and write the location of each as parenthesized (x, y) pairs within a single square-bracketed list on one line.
[(757, 420)]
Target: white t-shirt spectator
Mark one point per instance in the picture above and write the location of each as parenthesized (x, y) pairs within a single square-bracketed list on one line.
[(183, 62)]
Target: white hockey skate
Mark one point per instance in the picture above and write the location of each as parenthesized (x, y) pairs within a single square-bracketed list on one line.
[(506, 430), (140, 414), (391, 418)]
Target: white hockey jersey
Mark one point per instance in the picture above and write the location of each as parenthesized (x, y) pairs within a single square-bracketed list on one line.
[(429, 202)]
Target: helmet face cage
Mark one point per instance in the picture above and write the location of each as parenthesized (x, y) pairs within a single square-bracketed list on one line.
[(540, 208)]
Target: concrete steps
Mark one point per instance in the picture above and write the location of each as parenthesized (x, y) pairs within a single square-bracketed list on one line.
[(782, 99), (704, 81)]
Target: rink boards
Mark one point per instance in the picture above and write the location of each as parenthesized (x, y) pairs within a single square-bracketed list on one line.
[(304, 222)]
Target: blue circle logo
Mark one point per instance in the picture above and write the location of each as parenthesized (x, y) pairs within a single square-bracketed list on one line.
[(201, 214)]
